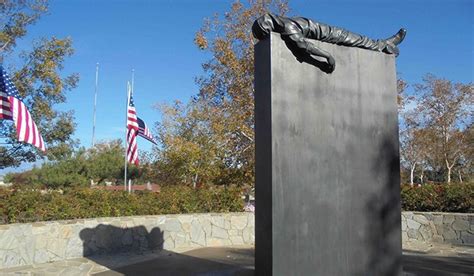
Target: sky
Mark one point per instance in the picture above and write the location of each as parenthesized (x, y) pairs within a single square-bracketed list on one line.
[(155, 39)]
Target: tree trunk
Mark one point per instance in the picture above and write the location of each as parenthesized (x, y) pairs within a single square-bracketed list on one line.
[(412, 174), (460, 177), (195, 180), (449, 175), (449, 170), (422, 175)]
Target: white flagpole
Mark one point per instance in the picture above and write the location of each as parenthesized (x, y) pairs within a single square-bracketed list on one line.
[(133, 79), (126, 140), (95, 101)]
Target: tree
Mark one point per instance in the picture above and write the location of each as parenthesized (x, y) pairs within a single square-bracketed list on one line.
[(211, 139), (149, 171), (190, 152), (102, 162), (16, 16), (226, 95), (68, 172), (410, 151), (105, 161), (412, 135), (464, 166), (40, 84), (445, 112)]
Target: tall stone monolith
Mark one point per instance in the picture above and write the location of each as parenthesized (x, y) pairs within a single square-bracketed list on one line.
[(327, 163)]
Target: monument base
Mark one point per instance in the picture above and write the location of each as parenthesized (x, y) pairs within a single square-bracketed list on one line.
[(327, 163)]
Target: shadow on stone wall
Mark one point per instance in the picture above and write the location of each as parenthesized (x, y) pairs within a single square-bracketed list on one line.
[(135, 251), (109, 239), (114, 247)]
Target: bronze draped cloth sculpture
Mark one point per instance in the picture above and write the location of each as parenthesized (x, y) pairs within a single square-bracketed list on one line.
[(301, 32)]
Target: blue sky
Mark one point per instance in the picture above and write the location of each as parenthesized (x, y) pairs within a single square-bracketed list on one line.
[(156, 39)]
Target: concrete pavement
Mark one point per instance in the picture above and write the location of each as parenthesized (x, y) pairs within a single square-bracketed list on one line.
[(418, 259)]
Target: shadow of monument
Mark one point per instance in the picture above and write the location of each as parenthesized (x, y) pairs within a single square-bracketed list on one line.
[(204, 261), (426, 265), (135, 251), (384, 210), (109, 239), (306, 58)]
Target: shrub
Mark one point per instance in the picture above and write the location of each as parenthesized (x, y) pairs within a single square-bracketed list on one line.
[(439, 197), (33, 205), (30, 205)]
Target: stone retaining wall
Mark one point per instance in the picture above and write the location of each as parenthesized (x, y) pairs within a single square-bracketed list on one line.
[(41, 242), (448, 228)]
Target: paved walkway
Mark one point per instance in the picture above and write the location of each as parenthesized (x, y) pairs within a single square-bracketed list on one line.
[(418, 259), (422, 259)]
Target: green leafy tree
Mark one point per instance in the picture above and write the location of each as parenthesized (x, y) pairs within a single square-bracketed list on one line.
[(189, 152), (148, 167), (105, 161), (69, 172), (39, 82), (16, 17), (102, 162)]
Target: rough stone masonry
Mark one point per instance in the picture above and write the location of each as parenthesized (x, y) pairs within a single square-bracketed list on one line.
[(41, 242)]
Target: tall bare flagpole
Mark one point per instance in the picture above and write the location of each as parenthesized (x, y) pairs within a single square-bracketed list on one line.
[(95, 101), (126, 138), (133, 79)]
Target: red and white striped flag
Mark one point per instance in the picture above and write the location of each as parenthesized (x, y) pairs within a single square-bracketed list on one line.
[(13, 108), (132, 131), (144, 131)]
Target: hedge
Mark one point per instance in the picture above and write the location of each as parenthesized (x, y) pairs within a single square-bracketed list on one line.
[(457, 197), (32, 205)]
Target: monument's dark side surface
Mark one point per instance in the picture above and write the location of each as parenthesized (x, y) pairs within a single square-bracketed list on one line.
[(327, 163)]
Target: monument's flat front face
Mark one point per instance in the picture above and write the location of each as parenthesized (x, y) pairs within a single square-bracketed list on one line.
[(327, 163)]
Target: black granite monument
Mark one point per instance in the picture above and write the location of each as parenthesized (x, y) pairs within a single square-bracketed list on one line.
[(327, 162)]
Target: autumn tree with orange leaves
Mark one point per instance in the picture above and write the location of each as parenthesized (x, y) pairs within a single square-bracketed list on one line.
[(216, 129)]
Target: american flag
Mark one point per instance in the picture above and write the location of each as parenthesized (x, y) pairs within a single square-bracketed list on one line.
[(13, 108), (132, 131), (144, 131)]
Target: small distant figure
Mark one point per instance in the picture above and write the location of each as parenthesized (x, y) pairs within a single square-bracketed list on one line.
[(249, 207), (249, 203), (301, 32)]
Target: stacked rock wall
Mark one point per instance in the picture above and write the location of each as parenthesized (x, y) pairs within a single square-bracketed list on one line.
[(447, 228), (41, 242)]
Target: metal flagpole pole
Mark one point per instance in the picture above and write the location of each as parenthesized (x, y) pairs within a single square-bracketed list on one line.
[(95, 101), (126, 140), (133, 78)]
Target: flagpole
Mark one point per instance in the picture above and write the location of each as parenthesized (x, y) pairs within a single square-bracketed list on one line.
[(126, 141), (95, 101), (133, 79)]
